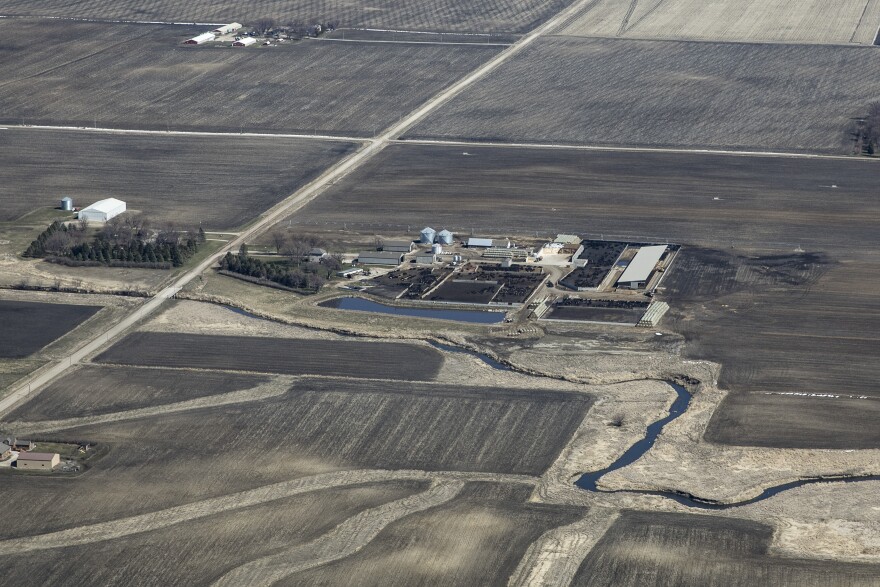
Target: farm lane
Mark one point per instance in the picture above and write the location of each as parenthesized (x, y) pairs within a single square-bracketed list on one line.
[(344, 540), (208, 507), (290, 204), (279, 386)]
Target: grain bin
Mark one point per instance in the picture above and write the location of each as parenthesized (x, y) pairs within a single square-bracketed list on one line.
[(436, 249), (67, 204), (426, 237), (444, 237)]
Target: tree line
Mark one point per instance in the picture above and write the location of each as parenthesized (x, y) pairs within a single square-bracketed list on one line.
[(867, 131), (122, 241), (294, 274)]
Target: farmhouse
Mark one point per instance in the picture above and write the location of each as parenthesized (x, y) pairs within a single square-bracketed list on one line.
[(226, 29), (198, 40), (103, 210), (641, 267), (5, 451), (316, 255), (397, 246), (45, 461), (21, 444), (245, 42), (380, 258)]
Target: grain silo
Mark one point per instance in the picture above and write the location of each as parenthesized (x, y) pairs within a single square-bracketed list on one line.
[(436, 249), (444, 237), (67, 204), (426, 237)]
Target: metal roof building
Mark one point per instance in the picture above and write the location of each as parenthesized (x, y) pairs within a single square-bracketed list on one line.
[(38, 460), (245, 42), (199, 39), (479, 242), (398, 246), (102, 210), (227, 28), (639, 270), (380, 258)]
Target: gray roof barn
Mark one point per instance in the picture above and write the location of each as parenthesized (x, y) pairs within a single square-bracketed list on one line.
[(380, 258)]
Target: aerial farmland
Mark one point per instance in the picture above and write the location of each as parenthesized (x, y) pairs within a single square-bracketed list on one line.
[(576, 292)]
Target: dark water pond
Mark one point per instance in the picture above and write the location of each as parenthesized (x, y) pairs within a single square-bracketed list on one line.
[(362, 305)]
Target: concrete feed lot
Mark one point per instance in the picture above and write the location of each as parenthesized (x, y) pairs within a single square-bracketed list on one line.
[(200, 551), (702, 95), (218, 182), (28, 327), (421, 15), (789, 21), (155, 83), (775, 319), (476, 539), (276, 355), (685, 550)]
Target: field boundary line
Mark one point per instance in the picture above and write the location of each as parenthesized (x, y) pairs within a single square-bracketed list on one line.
[(156, 520), (474, 44), (342, 541), (108, 20), (612, 149), (137, 131)]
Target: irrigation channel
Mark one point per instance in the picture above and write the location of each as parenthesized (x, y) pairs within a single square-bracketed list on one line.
[(362, 305), (588, 481)]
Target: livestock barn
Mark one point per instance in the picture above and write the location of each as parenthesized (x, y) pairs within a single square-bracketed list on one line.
[(198, 40), (102, 210), (380, 258), (398, 246), (245, 42), (639, 270), (227, 29)]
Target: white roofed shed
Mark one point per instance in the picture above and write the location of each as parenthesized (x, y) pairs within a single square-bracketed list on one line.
[(641, 267), (102, 210)]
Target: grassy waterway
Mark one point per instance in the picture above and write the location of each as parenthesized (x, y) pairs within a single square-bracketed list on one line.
[(362, 305)]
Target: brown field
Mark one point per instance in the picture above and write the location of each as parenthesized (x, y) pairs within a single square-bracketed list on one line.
[(442, 15), (200, 551), (476, 539), (702, 95), (683, 550), (27, 326), (144, 78), (787, 21), (92, 390), (218, 182), (288, 356)]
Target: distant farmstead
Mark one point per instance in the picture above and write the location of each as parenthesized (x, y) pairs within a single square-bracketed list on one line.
[(199, 39), (103, 210), (45, 461)]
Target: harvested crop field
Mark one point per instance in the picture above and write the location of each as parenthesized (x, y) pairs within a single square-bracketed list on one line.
[(797, 421), (443, 15), (199, 551), (684, 550), (787, 21), (478, 538), (703, 95), (178, 178), (645, 197), (29, 326), (290, 356), (93, 390), (155, 83)]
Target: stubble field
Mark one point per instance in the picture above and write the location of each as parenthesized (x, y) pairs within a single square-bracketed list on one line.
[(684, 550), (216, 182), (786, 21), (288, 356), (443, 15), (29, 326), (702, 95), (154, 83)]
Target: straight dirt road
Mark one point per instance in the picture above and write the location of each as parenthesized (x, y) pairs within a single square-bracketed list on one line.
[(369, 149)]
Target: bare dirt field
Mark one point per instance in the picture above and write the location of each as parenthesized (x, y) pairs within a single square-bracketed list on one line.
[(682, 550), (173, 555), (476, 539), (92, 390), (218, 182), (277, 355), (155, 83), (28, 327), (703, 95), (444, 15), (787, 21)]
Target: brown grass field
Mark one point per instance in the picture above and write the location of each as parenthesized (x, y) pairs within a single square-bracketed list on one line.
[(702, 95), (685, 550), (218, 182), (140, 76), (443, 15)]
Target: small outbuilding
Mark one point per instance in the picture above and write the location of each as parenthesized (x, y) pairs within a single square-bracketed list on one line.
[(39, 461), (200, 39), (380, 258), (245, 42), (426, 258), (350, 272), (102, 210), (316, 255), (394, 246)]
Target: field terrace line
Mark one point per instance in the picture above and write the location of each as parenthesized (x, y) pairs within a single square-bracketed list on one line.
[(283, 209)]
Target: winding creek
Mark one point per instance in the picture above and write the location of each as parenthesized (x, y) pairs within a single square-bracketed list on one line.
[(589, 481)]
